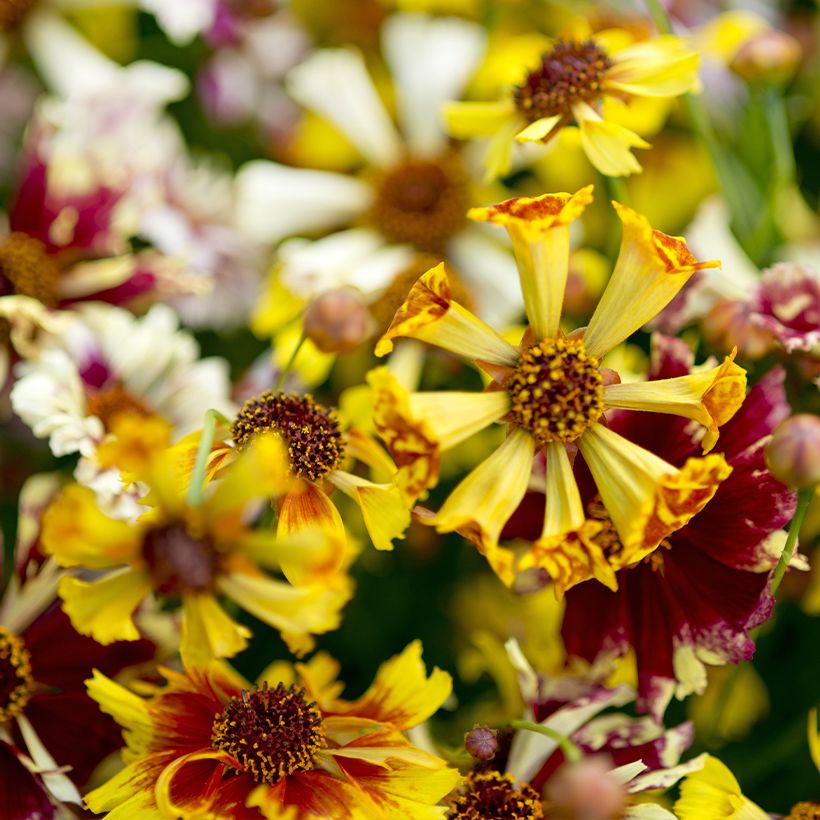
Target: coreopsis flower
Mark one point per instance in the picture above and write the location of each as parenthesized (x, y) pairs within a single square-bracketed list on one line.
[(44, 706), (318, 448), (110, 377), (569, 86), (552, 392), (197, 553), (695, 600), (210, 743), (713, 793), (411, 194)]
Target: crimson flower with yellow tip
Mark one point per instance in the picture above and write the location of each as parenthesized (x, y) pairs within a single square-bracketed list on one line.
[(197, 553), (209, 744), (569, 86), (552, 392)]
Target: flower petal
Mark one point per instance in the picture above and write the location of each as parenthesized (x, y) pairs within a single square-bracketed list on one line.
[(430, 314), (660, 67), (465, 120), (710, 397), (539, 130), (651, 268), (103, 608), (608, 144), (208, 632), (646, 498), (335, 84), (539, 229)]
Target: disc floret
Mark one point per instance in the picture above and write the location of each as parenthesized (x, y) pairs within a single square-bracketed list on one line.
[(16, 682), (491, 794)]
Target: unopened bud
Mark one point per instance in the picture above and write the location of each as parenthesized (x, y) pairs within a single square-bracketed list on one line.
[(336, 321), (793, 454), (481, 742), (587, 790), (769, 58), (734, 324)]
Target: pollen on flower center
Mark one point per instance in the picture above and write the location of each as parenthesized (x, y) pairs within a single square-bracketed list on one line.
[(572, 72), (804, 811), (179, 562), (556, 390), (423, 202), (272, 733), (25, 267), (16, 683), (12, 12), (311, 432), (494, 795), (114, 400)]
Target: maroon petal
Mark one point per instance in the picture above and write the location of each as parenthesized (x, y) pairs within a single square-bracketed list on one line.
[(669, 358), (22, 794)]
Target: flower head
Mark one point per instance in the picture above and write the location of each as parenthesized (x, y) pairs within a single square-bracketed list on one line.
[(552, 392), (210, 742)]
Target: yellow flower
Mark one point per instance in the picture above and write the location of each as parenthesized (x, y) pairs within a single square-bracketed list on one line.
[(570, 85), (197, 554), (209, 745), (713, 793), (552, 392)]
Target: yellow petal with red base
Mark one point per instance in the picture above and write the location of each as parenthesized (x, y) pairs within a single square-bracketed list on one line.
[(208, 632), (539, 229), (482, 503), (710, 397), (650, 270), (647, 498), (383, 506), (307, 507), (76, 533), (402, 695), (103, 608), (429, 313)]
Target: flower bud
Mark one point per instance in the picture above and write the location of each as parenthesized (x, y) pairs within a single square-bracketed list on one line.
[(793, 454), (481, 742), (336, 321), (769, 58), (587, 790)]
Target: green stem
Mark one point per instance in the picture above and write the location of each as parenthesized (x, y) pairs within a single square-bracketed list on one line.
[(571, 752), (196, 485), (287, 368), (804, 497)]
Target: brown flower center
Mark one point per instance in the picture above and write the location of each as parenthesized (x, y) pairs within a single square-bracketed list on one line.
[(804, 811), (114, 400), (610, 542), (572, 72), (423, 202), (12, 12), (272, 733), (310, 430), (556, 390), (178, 561), (494, 796), (16, 683), (25, 267)]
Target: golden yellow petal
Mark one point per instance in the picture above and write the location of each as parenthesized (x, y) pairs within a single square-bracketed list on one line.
[(710, 397), (647, 498), (430, 314), (103, 608), (208, 632), (539, 130), (76, 533), (713, 792), (482, 503), (539, 229), (660, 67), (651, 268), (465, 120), (305, 508)]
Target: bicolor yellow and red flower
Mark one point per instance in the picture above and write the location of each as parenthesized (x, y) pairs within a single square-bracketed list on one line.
[(209, 743), (569, 87), (198, 553), (552, 392)]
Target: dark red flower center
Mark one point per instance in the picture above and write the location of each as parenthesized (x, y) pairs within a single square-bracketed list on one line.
[(16, 683), (556, 390), (422, 202), (178, 561), (309, 429), (494, 796), (25, 267), (13, 12), (272, 733), (571, 73)]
